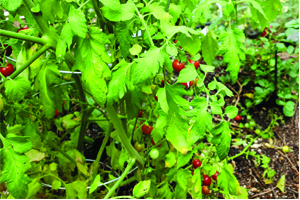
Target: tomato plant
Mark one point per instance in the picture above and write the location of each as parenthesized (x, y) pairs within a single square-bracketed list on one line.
[(109, 61)]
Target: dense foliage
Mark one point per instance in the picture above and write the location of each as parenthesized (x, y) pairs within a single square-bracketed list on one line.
[(140, 73)]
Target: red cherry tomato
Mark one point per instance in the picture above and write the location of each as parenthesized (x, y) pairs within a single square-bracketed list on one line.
[(206, 180), (205, 190), (238, 118), (215, 176), (175, 41), (153, 143), (147, 129), (140, 113), (197, 163), (63, 102), (196, 63), (187, 85), (163, 83), (177, 66), (8, 50), (24, 28), (56, 113), (8, 70), (155, 97)]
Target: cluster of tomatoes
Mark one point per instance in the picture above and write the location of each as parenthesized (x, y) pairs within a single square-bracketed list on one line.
[(250, 125), (206, 179), (9, 69)]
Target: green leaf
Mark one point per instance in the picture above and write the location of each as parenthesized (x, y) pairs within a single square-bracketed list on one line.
[(233, 48), (272, 8), (231, 111), (207, 68), (290, 49), (112, 4), (215, 108), (141, 189), (11, 5), (15, 164), (210, 44), (157, 10), (182, 182), (147, 66), (201, 10), (243, 194), (135, 49), (190, 44), (172, 49), (17, 88), (228, 182), (117, 85), (170, 31), (258, 12), (36, 8), (177, 134), (56, 184), (174, 11), (35, 155), (76, 189), (183, 159), (124, 37), (47, 78), (64, 41), (95, 184), (288, 109), (126, 12), (281, 183), (222, 139), (170, 160), (188, 73), (77, 22)]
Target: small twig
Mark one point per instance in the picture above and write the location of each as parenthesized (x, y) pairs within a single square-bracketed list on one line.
[(293, 166), (263, 192), (278, 135), (233, 124)]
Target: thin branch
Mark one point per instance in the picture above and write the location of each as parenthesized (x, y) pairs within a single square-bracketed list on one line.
[(263, 193), (20, 36)]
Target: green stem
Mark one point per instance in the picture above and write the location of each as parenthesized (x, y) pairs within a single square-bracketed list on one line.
[(244, 150), (123, 136), (20, 36), (145, 25), (129, 166), (122, 109), (99, 17), (136, 119), (167, 7), (128, 181), (95, 119), (30, 60), (103, 145), (123, 197), (82, 133), (83, 4)]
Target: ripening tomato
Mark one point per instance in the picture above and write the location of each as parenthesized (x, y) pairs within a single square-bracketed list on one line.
[(196, 63), (147, 129), (193, 173), (215, 176), (8, 70), (206, 180), (153, 143), (238, 118), (8, 50), (205, 190), (177, 66), (197, 163), (139, 147), (155, 97), (140, 113), (63, 102), (56, 113), (187, 85)]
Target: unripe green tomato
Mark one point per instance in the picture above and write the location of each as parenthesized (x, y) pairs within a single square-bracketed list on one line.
[(139, 147), (257, 131), (154, 153), (249, 117), (247, 125), (285, 149), (251, 128), (252, 123)]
